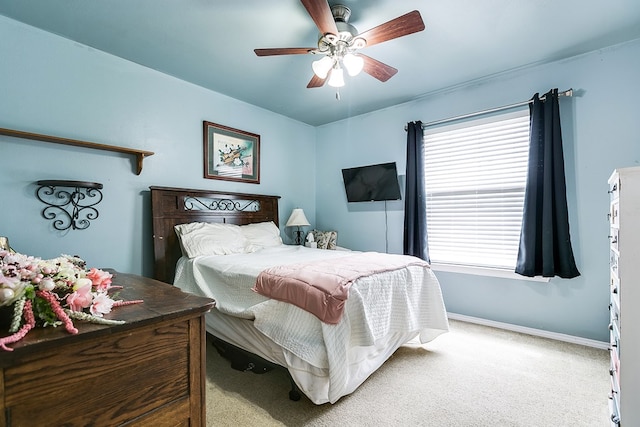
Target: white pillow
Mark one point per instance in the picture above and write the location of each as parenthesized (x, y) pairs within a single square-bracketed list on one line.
[(201, 238), (261, 235)]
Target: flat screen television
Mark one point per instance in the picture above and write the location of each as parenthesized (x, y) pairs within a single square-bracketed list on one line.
[(372, 183)]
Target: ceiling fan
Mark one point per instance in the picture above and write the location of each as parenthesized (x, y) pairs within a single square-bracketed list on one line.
[(340, 44)]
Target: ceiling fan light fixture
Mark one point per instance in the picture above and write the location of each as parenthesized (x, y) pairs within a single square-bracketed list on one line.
[(341, 42), (337, 77), (322, 66), (353, 64)]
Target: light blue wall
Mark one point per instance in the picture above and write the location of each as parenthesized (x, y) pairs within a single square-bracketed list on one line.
[(53, 86), (601, 128)]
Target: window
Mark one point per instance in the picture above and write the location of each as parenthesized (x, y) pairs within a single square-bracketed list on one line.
[(475, 176)]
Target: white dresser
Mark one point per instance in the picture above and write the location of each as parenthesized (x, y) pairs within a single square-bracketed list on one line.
[(624, 237)]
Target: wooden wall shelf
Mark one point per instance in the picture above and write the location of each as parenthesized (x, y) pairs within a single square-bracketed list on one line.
[(140, 154)]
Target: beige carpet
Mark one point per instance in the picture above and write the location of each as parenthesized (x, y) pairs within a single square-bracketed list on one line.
[(472, 376)]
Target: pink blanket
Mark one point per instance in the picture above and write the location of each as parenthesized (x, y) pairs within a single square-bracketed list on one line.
[(322, 287)]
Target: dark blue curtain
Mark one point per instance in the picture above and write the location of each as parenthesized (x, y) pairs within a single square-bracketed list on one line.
[(545, 245), (415, 208)]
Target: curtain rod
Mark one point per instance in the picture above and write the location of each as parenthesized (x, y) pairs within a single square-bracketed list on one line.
[(568, 92)]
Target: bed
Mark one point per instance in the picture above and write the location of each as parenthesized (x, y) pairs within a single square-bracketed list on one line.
[(326, 357)]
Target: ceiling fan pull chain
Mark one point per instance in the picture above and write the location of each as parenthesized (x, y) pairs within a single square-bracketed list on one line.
[(338, 94)]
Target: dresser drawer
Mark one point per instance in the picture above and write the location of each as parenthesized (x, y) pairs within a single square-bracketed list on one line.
[(615, 417), (614, 348), (614, 187), (614, 283), (613, 262), (613, 239), (614, 401), (614, 369), (614, 288), (614, 330), (614, 214)]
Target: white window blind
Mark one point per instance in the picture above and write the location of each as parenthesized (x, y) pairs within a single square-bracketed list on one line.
[(475, 175)]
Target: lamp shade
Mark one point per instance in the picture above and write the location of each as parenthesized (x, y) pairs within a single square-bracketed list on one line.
[(297, 218), (321, 67), (354, 64), (336, 78)]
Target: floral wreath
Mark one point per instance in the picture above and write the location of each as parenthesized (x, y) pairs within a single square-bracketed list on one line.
[(53, 292)]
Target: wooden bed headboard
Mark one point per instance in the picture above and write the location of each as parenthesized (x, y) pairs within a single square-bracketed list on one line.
[(173, 206)]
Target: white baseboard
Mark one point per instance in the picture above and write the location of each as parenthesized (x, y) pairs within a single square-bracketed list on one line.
[(531, 331)]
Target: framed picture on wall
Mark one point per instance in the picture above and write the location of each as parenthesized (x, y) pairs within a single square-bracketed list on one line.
[(231, 154)]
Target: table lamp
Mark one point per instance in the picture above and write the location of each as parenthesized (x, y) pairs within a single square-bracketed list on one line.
[(297, 219)]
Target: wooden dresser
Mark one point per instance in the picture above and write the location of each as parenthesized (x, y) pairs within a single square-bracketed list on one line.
[(148, 371), (624, 219)]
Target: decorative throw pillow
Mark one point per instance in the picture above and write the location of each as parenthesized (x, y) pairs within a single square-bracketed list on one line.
[(326, 239)]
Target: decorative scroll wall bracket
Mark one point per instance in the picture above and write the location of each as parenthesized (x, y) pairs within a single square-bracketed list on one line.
[(70, 204)]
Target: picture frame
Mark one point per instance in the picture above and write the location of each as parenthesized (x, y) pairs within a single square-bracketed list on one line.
[(231, 154)]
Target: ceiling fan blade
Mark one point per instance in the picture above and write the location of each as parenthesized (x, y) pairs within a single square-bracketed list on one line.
[(316, 82), (377, 69), (401, 26), (284, 51), (320, 12)]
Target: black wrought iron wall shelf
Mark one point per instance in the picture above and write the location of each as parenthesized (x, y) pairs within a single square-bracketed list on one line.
[(70, 204), (140, 154)]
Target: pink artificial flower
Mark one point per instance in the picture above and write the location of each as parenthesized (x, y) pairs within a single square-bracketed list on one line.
[(80, 299), (101, 304), (8, 281), (101, 279)]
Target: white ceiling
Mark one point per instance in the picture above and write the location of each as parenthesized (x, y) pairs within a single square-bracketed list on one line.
[(210, 43)]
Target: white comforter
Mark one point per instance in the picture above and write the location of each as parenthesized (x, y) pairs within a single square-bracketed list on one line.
[(405, 300)]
